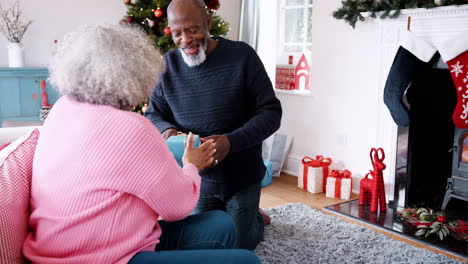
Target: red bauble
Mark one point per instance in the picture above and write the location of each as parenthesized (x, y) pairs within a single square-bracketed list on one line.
[(158, 12), (212, 4), (127, 1), (167, 31), (442, 219), (129, 19)]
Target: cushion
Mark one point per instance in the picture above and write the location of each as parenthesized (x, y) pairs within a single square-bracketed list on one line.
[(4, 146), (15, 184)]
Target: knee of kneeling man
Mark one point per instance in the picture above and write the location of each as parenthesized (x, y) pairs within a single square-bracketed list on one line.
[(223, 219), (248, 257)]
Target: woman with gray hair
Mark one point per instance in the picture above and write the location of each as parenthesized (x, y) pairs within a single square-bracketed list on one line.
[(103, 176)]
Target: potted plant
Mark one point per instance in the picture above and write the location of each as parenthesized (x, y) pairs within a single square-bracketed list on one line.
[(13, 28)]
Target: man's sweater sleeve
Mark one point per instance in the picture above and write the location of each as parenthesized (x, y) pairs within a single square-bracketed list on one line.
[(159, 112), (265, 108)]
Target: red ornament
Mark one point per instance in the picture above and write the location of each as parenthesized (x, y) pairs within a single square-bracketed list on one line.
[(158, 13), (442, 219), (127, 1), (167, 31), (129, 19), (212, 4), (44, 95), (373, 193)]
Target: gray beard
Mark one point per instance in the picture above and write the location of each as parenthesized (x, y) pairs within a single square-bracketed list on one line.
[(196, 59)]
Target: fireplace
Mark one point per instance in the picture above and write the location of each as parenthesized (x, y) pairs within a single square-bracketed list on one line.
[(457, 184), (429, 166)]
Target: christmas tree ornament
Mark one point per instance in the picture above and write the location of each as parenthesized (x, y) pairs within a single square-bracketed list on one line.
[(212, 5), (167, 31), (150, 23), (158, 12), (127, 1), (129, 19), (454, 52), (413, 58), (438, 2)]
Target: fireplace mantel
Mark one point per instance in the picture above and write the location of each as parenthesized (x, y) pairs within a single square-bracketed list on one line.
[(434, 26)]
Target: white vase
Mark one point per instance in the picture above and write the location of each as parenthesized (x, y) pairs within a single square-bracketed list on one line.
[(15, 55)]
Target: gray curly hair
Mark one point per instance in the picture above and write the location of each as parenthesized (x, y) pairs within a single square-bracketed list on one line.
[(115, 65)]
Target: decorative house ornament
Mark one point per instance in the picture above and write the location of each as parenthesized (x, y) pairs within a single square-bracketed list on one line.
[(302, 74), (13, 29)]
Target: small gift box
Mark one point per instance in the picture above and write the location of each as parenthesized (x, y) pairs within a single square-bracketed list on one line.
[(313, 173), (339, 184), (268, 173), (177, 145)]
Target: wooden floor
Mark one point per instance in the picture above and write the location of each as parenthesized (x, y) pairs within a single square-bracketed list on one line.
[(284, 190)]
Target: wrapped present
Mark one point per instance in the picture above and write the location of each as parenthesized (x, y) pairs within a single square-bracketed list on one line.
[(339, 184), (268, 173), (313, 173), (177, 145)]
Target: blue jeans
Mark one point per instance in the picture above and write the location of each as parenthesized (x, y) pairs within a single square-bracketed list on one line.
[(203, 238), (243, 207)]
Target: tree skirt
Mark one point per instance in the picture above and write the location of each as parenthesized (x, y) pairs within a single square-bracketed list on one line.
[(300, 234)]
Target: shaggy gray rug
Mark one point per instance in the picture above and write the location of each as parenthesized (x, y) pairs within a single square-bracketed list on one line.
[(299, 234)]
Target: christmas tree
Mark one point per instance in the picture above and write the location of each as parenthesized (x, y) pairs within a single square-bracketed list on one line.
[(151, 15)]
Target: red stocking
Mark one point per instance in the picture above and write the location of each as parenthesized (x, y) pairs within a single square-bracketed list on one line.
[(455, 53)]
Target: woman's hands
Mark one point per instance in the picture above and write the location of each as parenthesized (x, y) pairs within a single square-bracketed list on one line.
[(202, 156)]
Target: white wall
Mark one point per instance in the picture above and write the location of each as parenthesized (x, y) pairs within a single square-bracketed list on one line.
[(230, 12), (53, 18), (339, 120)]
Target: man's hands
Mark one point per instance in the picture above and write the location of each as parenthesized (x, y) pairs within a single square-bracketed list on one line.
[(169, 133), (202, 156), (223, 147)]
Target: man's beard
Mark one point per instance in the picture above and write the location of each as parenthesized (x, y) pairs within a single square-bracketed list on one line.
[(195, 59)]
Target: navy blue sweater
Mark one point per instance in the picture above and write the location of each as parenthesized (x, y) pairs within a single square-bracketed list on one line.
[(230, 93)]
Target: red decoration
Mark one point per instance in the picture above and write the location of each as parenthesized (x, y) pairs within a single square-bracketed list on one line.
[(158, 12), (129, 19), (212, 4), (458, 67), (442, 219), (302, 74), (284, 77), (318, 162), (167, 31), (44, 95), (375, 190), (339, 176), (127, 1), (365, 190)]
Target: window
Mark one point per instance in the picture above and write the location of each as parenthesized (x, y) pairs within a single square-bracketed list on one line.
[(296, 26), (294, 39)]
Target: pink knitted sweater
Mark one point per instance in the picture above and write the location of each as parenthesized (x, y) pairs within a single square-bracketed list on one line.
[(101, 178)]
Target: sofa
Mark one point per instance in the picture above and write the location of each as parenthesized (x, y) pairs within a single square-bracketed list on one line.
[(15, 183), (9, 134)]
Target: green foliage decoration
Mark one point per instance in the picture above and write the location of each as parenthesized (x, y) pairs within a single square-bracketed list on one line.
[(351, 10)]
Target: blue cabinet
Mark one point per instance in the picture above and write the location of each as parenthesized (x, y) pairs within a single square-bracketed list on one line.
[(21, 94)]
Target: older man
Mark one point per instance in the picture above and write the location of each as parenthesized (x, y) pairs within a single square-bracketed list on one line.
[(218, 89)]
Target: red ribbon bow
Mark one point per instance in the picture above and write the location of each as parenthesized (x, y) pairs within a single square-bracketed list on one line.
[(346, 174), (318, 162)]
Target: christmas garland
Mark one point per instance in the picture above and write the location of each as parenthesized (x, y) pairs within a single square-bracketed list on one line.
[(351, 9), (430, 223)]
